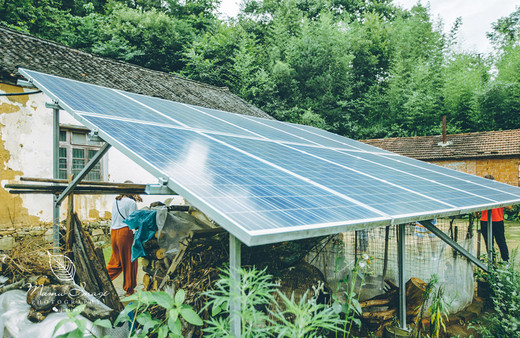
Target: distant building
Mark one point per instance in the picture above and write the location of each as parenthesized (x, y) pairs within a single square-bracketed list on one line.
[(482, 153), (26, 125)]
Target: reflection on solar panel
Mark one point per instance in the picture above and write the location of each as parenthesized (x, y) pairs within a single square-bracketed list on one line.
[(268, 181)]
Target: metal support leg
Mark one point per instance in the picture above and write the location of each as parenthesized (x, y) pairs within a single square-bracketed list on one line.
[(428, 225), (93, 161), (235, 287), (401, 264), (489, 237), (55, 175)]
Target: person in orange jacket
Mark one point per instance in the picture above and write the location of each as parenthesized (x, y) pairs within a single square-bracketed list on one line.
[(122, 238), (497, 219)]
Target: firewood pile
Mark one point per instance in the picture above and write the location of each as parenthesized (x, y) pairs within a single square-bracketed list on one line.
[(203, 253), (55, 281), (380, 310)]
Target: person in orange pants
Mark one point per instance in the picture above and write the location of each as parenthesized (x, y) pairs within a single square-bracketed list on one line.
[(122, 239)]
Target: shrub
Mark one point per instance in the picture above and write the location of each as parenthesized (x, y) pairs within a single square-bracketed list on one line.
[(504, 320)]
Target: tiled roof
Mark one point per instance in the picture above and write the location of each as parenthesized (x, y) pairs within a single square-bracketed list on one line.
[(470, 145), (22, 50)]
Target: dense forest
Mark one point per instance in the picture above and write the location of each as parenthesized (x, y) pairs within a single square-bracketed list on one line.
[(360, 68)]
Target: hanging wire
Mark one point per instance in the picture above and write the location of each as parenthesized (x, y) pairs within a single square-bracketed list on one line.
[(20, 94)]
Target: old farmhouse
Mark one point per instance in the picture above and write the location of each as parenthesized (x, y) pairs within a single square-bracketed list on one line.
[(26, 124)]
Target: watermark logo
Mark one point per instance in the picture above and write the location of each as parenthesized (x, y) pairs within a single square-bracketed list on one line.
[(62, 267)]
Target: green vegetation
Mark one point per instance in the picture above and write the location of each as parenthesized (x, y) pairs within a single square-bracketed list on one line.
[(267, 312), (137, 314), (504, 320), (359, 68)]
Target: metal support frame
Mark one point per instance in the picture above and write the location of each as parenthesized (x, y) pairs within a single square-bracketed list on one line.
[(439, 233), (402, 283), (55, 175), (490, 238), (235, 287), (93, 161)]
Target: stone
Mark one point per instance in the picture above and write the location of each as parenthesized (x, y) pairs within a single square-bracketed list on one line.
[(7, 243), (97, 232)]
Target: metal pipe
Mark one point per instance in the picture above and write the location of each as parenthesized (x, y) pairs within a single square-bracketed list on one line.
[(490, 238), (55, 175), (428, 225), (444, 132), (93, 161), (402, 283), (235, 287), (110, 184), (82, 185)]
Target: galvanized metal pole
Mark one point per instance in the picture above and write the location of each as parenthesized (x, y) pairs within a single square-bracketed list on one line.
[(55, 175), (490, 238), (235, 287), (445, 238), (402, 283)]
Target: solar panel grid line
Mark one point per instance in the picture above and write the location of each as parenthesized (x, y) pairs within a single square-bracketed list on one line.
[(252, 132), (371, 176), (246, 239), (310, 214), (322, 225), (417, 176), (397, 158), (155, 110), (214, 212), (374, 177), (467, 192), (409, 190), (305, 179)]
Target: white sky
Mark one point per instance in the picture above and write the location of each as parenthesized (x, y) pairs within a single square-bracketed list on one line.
[(477, 17)]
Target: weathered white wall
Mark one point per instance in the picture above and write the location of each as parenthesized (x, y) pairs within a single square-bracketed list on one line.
[(26, 133)]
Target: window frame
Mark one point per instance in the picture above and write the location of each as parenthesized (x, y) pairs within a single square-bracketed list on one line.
[(89, 149)]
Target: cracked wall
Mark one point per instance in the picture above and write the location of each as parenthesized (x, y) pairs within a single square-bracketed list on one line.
[(26, 150)]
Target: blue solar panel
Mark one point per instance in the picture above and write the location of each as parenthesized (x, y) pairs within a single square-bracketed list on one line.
[(268, 181), (388, 198), (252, 194), (84, 97)]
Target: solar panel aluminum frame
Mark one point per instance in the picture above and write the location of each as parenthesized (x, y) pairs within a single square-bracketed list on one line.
[(260, 237)]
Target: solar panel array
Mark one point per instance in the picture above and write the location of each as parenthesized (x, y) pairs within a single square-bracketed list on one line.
[(269, 181)]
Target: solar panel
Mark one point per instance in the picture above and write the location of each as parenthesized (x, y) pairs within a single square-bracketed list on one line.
[(268, 181)]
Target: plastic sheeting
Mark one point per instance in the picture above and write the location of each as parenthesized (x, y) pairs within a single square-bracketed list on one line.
[(173, 227), (14, 322), (425, 256)]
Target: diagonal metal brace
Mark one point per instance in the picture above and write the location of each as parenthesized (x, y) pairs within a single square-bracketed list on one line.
[(93, 161), (428, 225)]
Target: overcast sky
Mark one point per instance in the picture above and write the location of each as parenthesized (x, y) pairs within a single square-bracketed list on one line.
[(477, 16)]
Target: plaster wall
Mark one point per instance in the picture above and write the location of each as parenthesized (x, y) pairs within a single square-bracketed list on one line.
[(504, 170), (26, 150)]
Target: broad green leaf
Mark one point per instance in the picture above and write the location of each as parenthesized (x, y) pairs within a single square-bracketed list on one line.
[(336, 307), (173, 318), (81, 324), (163, 299), (77, 333), (191, 316), (215, 310), (163, 331), (180, 296), (174, 314), (103, 323), (78, 309)]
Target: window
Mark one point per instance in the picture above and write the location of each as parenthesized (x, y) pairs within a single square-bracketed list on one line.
[(75, 151)]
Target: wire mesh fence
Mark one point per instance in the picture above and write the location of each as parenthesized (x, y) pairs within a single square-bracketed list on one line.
[(425, 255)]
